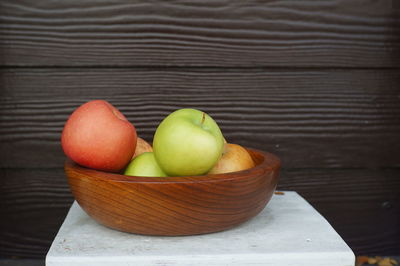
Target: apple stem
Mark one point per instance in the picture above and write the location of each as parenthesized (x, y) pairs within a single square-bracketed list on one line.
[(203, 118)]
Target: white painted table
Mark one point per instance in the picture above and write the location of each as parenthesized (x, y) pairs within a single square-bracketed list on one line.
[(287, 232)]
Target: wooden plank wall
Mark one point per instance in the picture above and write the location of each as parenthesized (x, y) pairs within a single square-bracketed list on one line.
[(316, 82)]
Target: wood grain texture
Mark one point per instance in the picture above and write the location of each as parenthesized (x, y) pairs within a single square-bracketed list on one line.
[(335, 118), (356, 33), (321, 116), (175, 206), (33, 204), (363, 206), (22, 262)]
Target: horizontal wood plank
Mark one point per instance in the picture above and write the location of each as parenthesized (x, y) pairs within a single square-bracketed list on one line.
[(362, 205), (33, 205), (340, 33), (22, 262), (308, 118)]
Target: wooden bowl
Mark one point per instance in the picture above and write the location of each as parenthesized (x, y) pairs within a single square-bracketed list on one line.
[(174, 206)]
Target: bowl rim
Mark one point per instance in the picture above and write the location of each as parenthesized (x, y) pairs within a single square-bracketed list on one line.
[(270, 162)]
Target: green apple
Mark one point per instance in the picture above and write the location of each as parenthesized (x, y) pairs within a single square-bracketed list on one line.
[(187, 142), (144, 165)]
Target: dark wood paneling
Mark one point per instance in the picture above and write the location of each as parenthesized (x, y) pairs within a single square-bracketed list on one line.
[(35, 201), (33, 204), (22, 262), (313, 118), (308, 118), (341, 33), (363, 205)]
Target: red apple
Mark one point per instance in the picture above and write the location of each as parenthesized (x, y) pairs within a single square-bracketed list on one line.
[(99, 136), (142, 146), (234, 158)]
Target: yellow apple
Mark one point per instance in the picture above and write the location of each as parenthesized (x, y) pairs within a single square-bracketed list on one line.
[(142, 146), (234, 158)]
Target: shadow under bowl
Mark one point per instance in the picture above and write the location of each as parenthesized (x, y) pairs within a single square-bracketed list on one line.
[(175, 206)]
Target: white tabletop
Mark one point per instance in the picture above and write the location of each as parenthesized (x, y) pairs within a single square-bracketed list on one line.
[(289, 231)]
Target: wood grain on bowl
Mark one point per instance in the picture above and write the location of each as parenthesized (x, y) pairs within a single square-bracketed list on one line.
[(174, 206)]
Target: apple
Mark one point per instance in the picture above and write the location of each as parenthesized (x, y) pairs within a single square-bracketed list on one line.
[(187, 142), (142, 146), (98, 136), (144, 164), (235, 158)]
